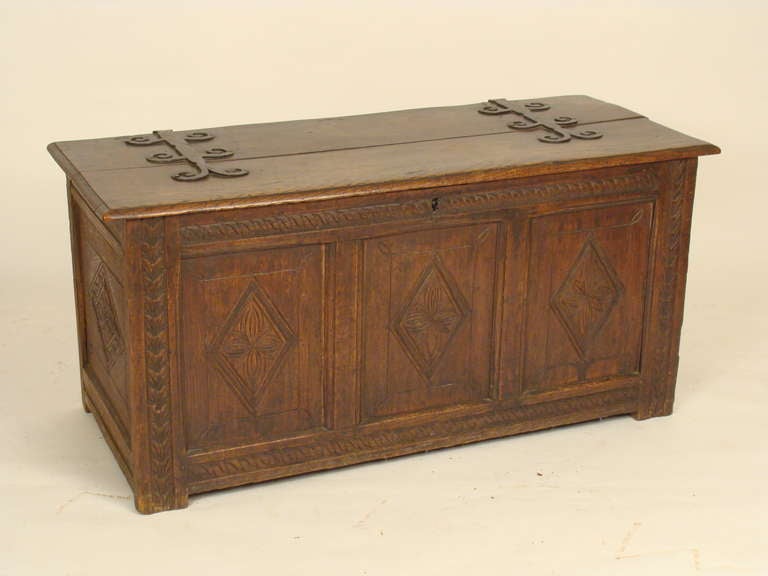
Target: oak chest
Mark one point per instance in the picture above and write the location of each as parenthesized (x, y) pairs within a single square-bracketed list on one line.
[(264, 300)]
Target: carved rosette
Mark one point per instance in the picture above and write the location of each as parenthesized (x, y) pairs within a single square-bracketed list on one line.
[(587, 297), (431, 317), (252, 346)]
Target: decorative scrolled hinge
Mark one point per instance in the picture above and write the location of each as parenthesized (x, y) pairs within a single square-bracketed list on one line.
[(560, 130), (182, 152)]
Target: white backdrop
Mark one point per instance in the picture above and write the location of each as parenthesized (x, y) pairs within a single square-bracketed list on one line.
[(678, 495)]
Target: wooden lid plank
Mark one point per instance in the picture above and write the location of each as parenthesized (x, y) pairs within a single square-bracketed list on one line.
[(366, 154)]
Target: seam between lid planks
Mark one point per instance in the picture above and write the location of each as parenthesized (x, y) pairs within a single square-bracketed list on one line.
[(282, 178)]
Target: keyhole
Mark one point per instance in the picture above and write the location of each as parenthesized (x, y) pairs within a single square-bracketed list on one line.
[(435, 203)]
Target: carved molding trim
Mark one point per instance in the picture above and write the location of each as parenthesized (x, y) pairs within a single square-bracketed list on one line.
[(373, 441), (645, 181), (303, 221), (642, 181), (560, 130), (157, 357), (182, 152), (669, 284)]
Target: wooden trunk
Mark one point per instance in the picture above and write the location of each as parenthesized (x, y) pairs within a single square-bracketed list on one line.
[(261, 301)]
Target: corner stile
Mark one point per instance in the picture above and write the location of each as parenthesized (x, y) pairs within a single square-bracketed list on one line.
[(673, 232), (152, 273)]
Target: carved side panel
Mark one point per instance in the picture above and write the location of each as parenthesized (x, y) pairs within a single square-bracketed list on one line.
[(427, 319), (110, 331), (252, 326), (105, 355), (586, 296)]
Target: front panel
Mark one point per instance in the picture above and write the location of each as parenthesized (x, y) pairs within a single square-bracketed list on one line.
[(427, 319), (252, 334), (310, 342), (586, 296)]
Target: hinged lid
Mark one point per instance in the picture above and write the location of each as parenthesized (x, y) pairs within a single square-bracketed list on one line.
[(167, 172)]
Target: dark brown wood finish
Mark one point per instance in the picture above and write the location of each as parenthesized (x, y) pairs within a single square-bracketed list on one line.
[(374, 286)]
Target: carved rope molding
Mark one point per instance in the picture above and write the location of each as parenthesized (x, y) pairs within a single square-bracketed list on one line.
[(216, 469), (277, 224), (156, 353), (643, 181)]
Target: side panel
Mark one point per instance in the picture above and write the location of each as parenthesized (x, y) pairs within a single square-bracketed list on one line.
[(105, 350), (98, 266)]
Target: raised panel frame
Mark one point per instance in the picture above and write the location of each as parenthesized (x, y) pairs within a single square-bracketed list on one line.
[(253, 347), (427, 319), (576, 301)]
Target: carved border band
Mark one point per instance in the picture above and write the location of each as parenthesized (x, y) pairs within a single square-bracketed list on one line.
[(371, 442), (157, 356), (642, 181), (585, 187), (281, 223), (670, 259)]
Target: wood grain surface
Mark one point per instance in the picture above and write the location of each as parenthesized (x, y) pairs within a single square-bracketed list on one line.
[(361, 155), (376, 286)]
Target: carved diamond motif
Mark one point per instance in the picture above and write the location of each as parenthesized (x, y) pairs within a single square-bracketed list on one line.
[(431, 317), (252, 346), (106, 318), (586, 298)]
